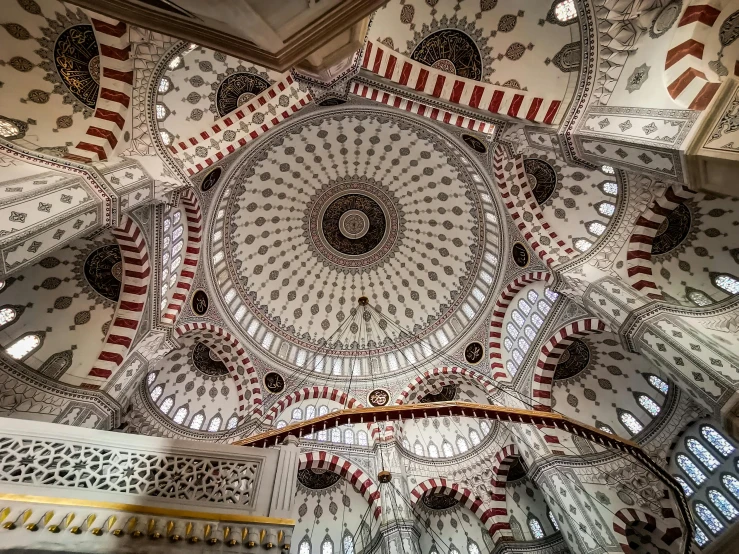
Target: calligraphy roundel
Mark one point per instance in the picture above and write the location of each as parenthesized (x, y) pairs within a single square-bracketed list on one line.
[(237, 89), (542, 178), (520, 255), (452, 51), (104, 270), (473, 353), (77, 60), (673, 230), (378, 397), (274, 382), (200, 302), (211, 179)]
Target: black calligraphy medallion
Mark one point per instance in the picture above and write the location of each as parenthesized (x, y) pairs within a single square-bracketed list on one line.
[(200, 302), (77, 60), (274, 382), (237, 89), (208, 361), (573, 360), (378, 397), (673, 230), (104, 271), (451, 51), (520, 254), (446, 394), (473, 353), (438, 501), (475, 143), (542, 179), (354, 224), (317, 479), (211, 179)]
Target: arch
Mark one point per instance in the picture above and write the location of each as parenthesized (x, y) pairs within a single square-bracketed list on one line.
[(466, 497), (308, 393), (667, 529), (503, 460), (363, 483), (639, 252), (499, 312), (132, 300), (191, 256), (251, 374), (451, 375)]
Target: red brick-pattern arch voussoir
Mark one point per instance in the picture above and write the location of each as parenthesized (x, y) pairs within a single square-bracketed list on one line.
[(114, 95), (501, 465), (191, 256), (132, 300), (465, 496), (362, 482), (250, 380), (667, 529), (688, 78), (499, 312), (639, 253), (308, 393)]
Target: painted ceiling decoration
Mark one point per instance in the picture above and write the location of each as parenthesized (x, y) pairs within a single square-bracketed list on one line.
[(439, 501), (237, 89), (446, 394), (317, 479), (673, 230), (542, 178), (207, 361), (104, 271), (452, 51), (573, 360)]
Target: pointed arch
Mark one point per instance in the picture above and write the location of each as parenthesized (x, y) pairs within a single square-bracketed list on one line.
[(499, 312), (448, 376), (250, 379), (308, 393), (191, 256), (363, 483), (667, 528), (131, 302), (503, 460)]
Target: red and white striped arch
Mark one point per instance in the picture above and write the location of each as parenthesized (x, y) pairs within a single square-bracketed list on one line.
[(639, 253), (445, 376), (499, 312), (191, 256), (250, 380), (114, 96), (308, 393), (689, 79), (667, 529), (550, 354), (132, 300), (465, 496), (501, 465), (362, 482), (382, 61)]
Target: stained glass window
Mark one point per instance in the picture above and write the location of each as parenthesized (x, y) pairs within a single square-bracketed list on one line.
[(166, 137), (150, 378), (530, 333), (553, 519), (484, 427), (348, 544), (532, 296), (180, 416), (609, 187), (8, 129), (630, 422), (551, 295), (322, 410), (215, 424), (700, 451), (348, 436), (732, 485), (176, 62), (583, 245), (304, 547), (700, 537), (7, 315), (648, 404), (517, 357), (2, 285), (157, 392), (595, 228), (362, 438), (474, 437), (717, 440), (523, 344), (658, 384), (161, 112), (508, 343), (723, 504), (418, 449), (233, 421), (23, 346), (606, 208), (606, 428), (197, 421), (327, 547), (472, 548), (536, 531), (512, 330), (433, 451), (462, 445), (511, 368), (297, 414), (164, 85), (537, 320), (690, 469), (544, 307), (281, 424), (708, 517), (699, 298), (687, 489), (607, 169), (518, 318), (167, 405), (335, 435), (728, 283), (447, 449), (524, 306), (310, 412)]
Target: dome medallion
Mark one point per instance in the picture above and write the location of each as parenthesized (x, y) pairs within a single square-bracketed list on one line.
[(350, 203)]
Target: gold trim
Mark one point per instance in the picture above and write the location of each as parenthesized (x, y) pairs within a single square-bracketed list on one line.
[(137, 508)]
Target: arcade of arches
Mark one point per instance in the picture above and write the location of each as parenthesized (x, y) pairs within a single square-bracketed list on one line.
[(247, 306)]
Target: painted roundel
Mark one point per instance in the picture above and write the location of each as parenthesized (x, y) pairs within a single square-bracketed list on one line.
[(520, 254), (77, 60), (573, 360), (274, 382), (438, 501), (542, 178), (211, 179), (378, 397), (317, 479), (473, 353), (208, 361), (353, 224), (104, 270), (237, 89), (451, 51), (200, 302), (672, 231)]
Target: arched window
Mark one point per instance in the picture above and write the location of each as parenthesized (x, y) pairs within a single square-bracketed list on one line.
[(544, 307), (530, 333), (462, 445), (472, 547), (304, 547), (716, 440), (553, 519), (699, 298), (348, 436), (595, 228), (732, 485), (532, 296), (628, 420), (610, 188), (690, 469), (310, 412), (606, 208), (297, 414), (167, 405), (157, 392), (700, 537), (484, 427), (474, 437), (322, 435), (649, 405), (722, 503), (518, 318), (447, 449), (418, 449), (362, 438), (281, 424), (700, 452), (727, 283), (215, 424), (537, 320), (512, 330), (233, 421), (433, 451), (171, 245), (322, 410), (164, 85), (566, 11), (197, 422), (551, 295), (517, 357), (7, 315), (180, 416), (583, 245), (707, 516), (335, 434), (406, 445), (604, 427), (658, 384), (24, 346), (150, 378), (348, 543), (523, 344), (536, 530), (327, 547), (508, 343), (607, 169), (511, 368), (687, 489), (524, 306)]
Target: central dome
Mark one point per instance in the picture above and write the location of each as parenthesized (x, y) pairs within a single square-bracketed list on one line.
[(351, 204)]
